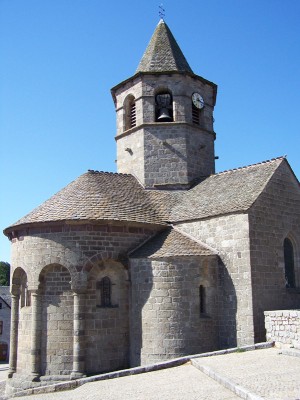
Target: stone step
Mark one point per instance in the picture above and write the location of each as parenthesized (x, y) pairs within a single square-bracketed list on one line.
[(290, 352)]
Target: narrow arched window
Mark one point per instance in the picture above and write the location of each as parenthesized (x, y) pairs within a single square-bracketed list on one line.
[(202, 299), (105, 289), (163, 107), (25, 297), (289, 264), (130, 113)]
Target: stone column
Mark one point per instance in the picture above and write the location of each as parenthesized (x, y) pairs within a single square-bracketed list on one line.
[(36, 325), (15, 299), (78, 336)]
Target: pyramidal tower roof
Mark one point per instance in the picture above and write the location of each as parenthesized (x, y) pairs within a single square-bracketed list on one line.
[(163, 53)]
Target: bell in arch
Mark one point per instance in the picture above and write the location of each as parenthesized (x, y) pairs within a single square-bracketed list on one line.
[(163, 102)]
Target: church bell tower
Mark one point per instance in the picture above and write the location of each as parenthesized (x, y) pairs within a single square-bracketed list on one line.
[(165, 133)]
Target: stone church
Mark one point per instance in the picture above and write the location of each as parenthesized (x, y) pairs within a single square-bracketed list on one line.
[(164, 258)]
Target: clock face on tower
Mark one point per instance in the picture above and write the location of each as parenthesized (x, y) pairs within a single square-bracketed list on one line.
[(197, 100)]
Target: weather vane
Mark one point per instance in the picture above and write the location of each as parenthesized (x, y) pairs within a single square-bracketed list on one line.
[(162, 11)]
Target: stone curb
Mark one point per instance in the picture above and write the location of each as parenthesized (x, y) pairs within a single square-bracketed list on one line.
[(73, 384), (227, 383)]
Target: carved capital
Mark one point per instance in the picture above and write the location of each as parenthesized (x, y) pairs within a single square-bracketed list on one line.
[(79, 282), (15, 290)]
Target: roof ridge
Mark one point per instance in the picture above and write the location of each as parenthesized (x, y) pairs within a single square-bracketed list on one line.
[(94, 171), (252, 165)]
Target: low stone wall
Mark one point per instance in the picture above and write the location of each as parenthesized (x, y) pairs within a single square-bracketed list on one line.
[(283, 327)]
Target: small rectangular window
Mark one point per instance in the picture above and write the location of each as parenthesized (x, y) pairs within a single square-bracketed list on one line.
[(202, 300), (0, 305), (1, 327)]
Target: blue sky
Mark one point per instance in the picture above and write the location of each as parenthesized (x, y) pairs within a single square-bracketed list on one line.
[(60, 58)]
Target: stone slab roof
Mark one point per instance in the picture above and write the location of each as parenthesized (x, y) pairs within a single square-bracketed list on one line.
[(163, 53), (96, 196), (5, 294), (226, 192), (101, 196), (171, 243)]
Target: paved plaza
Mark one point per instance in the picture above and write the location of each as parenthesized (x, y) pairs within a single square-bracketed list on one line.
[(259, 374)]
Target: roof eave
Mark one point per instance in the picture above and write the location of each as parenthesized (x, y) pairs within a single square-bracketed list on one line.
[(8, 305), (140, 74), (12, 230)]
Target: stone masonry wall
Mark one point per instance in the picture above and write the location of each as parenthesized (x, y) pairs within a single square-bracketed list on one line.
[(24, 343), (57, 322), (107, 328), (130, 154), (229, 236), (283, 327), (274, 217), (73, 246), (166, 321), (176, 154)]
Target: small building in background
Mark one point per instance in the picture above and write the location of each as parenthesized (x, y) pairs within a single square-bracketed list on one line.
[(5, 304)]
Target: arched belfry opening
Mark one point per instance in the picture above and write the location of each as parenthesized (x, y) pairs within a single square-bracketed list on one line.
[(129, 112), (164, 107)]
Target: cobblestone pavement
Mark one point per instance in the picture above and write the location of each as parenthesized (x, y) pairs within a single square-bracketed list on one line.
[(177, 383), (3, 376), (263, 373)]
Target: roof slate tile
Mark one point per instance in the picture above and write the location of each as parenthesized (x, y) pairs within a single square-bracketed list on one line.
[(163, 53), (98, 196), (226, 192), (171, 243)]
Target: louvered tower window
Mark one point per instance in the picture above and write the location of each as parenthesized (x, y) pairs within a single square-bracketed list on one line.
[(195, 115), (129, 112), (132, 114)]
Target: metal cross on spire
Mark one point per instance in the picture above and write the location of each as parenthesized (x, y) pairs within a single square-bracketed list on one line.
[(161, 11)]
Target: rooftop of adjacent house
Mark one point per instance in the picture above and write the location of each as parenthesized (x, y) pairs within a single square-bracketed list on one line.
[(163, 53), (5, 294), (98, 196)]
